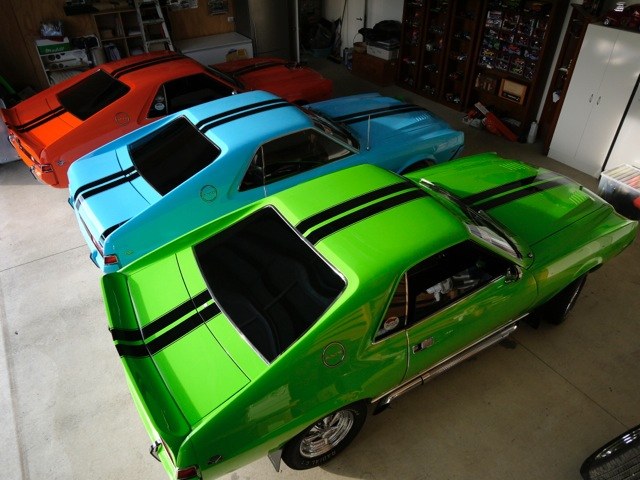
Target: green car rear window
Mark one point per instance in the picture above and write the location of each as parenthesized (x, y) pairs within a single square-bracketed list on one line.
[(89, 96), (269, 282), (172, 154)]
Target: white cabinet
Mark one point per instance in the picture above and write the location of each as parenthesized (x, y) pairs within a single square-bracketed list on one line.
[(603, 80)]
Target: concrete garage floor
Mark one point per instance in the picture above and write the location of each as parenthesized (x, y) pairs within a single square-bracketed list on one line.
[(532, 407)]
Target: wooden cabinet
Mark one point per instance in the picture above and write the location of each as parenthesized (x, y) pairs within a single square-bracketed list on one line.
[(438, 38), (497, 52), (376, 70), (563, 71), (603, 81), (119, 33), (515, 52)]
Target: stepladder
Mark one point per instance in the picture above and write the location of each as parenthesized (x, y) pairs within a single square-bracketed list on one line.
[(153, 26)]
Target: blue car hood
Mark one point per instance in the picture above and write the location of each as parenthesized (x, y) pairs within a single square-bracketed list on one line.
[(378, 118)]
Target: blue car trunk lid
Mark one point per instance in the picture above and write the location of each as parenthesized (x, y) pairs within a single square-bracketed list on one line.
[(113, 178)]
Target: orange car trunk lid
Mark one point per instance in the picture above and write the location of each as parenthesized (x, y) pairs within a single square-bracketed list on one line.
[(40, 129)]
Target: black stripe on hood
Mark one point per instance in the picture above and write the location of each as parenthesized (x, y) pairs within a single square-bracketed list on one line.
[(378, 113)]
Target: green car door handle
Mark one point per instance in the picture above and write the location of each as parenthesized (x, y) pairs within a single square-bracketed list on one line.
[(422, 345)]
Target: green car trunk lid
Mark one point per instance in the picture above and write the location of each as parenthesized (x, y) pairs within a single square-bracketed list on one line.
[(164, 339), (531, 202)]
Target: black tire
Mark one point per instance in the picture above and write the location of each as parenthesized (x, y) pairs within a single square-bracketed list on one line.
[(619, 458), (325, 439), (556, 310)]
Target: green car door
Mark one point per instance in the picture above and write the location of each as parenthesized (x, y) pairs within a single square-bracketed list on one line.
[(453, 299)]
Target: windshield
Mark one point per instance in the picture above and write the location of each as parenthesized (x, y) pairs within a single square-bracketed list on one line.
[(332, 128), (267, 280), (172, 154), (92, 94), (479, 224), (226, 77)]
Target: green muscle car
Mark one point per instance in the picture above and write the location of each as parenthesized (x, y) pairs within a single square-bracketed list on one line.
[(276, 329)]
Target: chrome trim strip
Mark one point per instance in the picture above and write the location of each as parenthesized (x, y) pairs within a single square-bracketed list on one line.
[(449, 362)]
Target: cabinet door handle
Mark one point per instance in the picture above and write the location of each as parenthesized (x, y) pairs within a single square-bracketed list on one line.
[(598, 101), (591, 98)]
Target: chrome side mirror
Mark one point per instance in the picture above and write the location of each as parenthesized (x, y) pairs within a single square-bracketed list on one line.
[(514, 274)]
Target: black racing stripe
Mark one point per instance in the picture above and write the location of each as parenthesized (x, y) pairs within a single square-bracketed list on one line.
[(377, 113), (112, 229), (355, 202), (119, 72), (107, 186), (481, 196), (183, 328), (108, 178), (384, 114), (237, 116), (238, 72), (525, 192), (136, 351), (189, 324), (133, 335), (40, 120), (369, 211), (244, 108), (349, 116)]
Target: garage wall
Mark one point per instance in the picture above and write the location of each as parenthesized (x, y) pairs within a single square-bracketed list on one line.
[(20, 27)]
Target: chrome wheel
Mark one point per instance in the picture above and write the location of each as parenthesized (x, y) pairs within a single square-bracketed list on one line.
[(327, 434)]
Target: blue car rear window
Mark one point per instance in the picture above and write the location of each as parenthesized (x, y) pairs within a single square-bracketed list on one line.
[(92, 94), (172, 154), (268, 281)]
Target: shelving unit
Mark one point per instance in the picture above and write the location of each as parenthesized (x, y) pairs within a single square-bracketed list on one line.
[(458, 66), (411, 45), (513, 58), (59, 66), (437, 40), (563, 71), (119, 33)]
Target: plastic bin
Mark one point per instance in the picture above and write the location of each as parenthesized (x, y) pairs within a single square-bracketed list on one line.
[(620, 187)]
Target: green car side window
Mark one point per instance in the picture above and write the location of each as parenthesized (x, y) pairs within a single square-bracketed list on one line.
[(439, 281)]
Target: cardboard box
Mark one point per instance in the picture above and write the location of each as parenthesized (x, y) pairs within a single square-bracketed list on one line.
[(383, 50), (238, 54), (47, 45), (513, 91), (620, 187)]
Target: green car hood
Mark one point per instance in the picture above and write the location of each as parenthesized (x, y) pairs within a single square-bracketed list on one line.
[(531, 202), (165, 337)]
